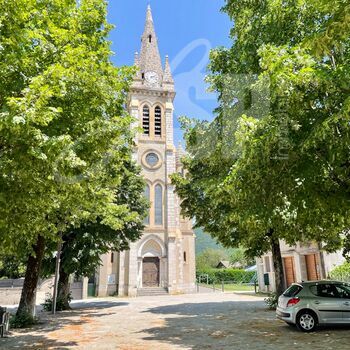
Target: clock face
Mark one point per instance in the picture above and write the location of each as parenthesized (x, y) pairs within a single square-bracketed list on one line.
[(152, 77)]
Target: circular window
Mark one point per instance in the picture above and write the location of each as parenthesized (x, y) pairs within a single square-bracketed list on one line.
[(152, 159)]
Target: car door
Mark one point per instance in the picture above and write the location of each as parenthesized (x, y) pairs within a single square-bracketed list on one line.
[(344, 292), (328, 303)]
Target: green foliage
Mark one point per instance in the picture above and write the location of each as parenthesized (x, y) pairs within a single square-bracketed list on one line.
[(341, 273), (346, 250), (11, 267), (65, 136), (205, 241), (83, 247), (60, 303), (210, 258), (64, 133), (238, 256), (272, 301), (228, 275), (274, 162), (22, 320)]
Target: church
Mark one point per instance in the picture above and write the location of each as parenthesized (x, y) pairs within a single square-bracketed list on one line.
[(163, 260)]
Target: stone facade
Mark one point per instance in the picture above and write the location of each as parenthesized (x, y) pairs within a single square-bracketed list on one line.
[(301, 262), (164, 257)]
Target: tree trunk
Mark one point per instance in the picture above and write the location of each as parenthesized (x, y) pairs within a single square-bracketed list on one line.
[(28, 296), (277, 264), (322, 267), (63, 289)]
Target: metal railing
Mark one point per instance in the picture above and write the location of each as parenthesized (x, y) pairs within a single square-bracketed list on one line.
[(228, 286)]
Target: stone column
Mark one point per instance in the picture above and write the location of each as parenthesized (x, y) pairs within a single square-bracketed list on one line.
[(163, 272), (169, 108), (180, 264), (133, 269), (192, 263), (103, 277), (121, 282), (84, 293), (172, 281)]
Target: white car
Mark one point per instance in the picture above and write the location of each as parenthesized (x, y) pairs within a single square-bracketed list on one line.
[(313, 303)]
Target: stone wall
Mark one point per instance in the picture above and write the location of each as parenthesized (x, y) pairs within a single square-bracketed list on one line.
[(10, 291)]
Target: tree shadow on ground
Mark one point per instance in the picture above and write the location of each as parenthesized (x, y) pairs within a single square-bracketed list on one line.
[(236, 325), (63, 330)]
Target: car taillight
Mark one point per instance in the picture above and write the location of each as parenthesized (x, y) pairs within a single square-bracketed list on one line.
[(293, 301)]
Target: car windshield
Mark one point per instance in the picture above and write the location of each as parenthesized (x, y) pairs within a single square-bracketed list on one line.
[(293, 290)]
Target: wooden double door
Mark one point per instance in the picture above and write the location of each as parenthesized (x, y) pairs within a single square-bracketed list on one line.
[(312, 267), (289, 270), (150, 272)]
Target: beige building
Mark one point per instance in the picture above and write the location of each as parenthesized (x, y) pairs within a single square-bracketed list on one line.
[(163, 260), (303, 262)]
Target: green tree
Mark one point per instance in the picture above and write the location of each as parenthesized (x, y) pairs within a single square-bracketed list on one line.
[(11, 267), (82, 247), (264, 172), (210, 258), (63, 127), (238, 256)]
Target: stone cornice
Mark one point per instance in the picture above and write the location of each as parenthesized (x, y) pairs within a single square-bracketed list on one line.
[(145, 91)]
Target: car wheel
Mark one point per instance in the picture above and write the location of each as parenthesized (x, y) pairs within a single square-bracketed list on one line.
[(307, 321)]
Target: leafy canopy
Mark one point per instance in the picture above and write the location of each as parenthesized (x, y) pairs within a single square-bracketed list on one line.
[(64, 133), (274, 162)]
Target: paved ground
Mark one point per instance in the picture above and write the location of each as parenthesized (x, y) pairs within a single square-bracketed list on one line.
[(202, 321)]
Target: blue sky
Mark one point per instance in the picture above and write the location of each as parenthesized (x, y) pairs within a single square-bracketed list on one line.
[(186, 30)]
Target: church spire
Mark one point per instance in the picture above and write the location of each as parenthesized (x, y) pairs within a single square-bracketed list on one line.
[(168, 77), (149, 57)]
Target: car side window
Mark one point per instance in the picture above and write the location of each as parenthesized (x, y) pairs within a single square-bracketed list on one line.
[(313, 289), (327, 291), (343, 291)]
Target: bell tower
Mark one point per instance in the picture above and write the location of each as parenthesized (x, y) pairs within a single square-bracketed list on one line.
[(163, 260)]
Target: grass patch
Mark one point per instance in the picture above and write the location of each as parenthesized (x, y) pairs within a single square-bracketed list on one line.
[(238, 288), (230, 287)]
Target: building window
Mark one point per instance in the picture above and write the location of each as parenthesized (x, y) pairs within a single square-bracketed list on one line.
[(150, 38), (152, 159), (185, 257), (147, 196), (267, 264), (158, 121), (145, 120), (112, 258), (158, 205)]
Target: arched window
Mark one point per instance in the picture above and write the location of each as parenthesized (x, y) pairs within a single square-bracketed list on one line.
[(158, 121), (146, 193), (158, 205), (145, 120), (150, 38)]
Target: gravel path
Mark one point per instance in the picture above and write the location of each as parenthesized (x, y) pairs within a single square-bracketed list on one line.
[(200, 321)]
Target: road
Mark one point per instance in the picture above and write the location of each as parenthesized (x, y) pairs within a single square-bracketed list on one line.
[(200, 321)]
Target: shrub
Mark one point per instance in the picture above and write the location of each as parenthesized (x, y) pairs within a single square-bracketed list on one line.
[(232, 275), (341, 273), (272, 301), (22, 320), (60, 303)]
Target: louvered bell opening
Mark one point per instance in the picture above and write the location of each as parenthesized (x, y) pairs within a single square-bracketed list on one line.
[(145, 121), (158, 121)]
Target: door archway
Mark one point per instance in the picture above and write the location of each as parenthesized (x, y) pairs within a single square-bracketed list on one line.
[(151, 252)]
